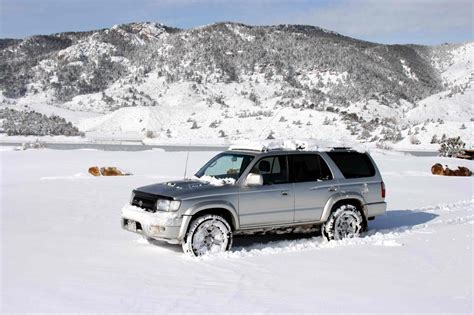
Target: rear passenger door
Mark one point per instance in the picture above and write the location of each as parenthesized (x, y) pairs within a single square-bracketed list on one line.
[(313, 184)]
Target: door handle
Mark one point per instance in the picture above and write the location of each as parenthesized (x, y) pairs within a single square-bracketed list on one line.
[(285, 192), (332, 188)]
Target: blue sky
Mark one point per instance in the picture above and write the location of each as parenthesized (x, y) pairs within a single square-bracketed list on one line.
[(385, 21)]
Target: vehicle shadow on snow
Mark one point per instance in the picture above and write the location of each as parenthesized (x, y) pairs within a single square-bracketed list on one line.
[(396, 219), (242, 241), (392, 221)]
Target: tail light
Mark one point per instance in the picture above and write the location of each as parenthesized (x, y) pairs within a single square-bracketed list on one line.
[(382, 186)]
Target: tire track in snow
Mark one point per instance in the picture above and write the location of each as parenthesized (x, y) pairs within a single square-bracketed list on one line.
[(392, 226)]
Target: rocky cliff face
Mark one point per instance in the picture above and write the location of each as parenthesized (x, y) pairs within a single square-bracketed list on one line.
[(234, 70), (71, 64)]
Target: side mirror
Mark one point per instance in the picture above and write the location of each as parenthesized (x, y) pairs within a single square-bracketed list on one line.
[(254, 180)]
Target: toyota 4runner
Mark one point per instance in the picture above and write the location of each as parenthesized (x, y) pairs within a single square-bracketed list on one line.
[(240, 190)]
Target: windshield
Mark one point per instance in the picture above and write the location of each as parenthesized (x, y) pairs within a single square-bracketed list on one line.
[(226, 165)]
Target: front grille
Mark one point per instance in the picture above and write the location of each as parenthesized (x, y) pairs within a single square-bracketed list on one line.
[(145, 202)]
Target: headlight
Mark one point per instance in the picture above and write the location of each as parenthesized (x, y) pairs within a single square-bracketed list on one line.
[(131, 198), (167, 205)]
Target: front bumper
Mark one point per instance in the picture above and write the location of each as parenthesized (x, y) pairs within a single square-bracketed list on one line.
[(161, 225)]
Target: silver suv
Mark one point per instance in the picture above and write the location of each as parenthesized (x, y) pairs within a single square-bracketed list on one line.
[(240, 191)]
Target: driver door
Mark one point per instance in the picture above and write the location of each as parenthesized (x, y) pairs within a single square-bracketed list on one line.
[(273, 202)]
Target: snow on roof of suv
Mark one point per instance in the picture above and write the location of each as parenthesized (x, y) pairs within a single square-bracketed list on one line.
[(292, 145)]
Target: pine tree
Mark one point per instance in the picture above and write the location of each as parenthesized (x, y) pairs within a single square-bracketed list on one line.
[(270, 136), (451, 147)]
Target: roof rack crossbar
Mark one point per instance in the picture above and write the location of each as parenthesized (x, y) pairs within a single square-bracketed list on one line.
[(299, 147)]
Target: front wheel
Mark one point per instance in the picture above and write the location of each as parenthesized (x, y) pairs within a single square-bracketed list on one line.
[(208, 234), (345, 221)]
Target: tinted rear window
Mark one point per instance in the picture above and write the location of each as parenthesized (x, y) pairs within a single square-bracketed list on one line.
[(353, 164)]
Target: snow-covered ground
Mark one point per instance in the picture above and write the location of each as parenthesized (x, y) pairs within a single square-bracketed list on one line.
[(62, 248)]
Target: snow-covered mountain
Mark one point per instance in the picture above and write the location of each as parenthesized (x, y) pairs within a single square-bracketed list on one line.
[(230, 81)]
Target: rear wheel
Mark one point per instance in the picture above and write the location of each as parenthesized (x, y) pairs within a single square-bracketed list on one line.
[(208, 234), (345, 221)]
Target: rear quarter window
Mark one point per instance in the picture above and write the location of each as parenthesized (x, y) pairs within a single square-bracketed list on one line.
[(353, 164)]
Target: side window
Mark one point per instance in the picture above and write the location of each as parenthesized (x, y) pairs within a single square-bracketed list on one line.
[(273, 169), (309, 168), (325, 171), (353, 164)]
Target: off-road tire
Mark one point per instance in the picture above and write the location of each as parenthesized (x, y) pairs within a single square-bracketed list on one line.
[(207, 234), (345, 221)]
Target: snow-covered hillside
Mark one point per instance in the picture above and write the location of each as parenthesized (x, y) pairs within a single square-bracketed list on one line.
[(63, 250), (229, 81)]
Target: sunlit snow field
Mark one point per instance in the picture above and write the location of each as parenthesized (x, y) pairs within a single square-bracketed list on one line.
[(63, 250)]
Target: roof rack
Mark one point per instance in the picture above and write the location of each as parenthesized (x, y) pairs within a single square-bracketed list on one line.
[(235, 148), (264, 148), (284, 146)]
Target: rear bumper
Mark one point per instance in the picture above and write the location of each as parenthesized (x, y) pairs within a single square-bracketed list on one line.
[(375, 209), (162, 226)]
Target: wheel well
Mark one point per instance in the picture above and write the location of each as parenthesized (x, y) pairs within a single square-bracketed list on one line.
[(356, 203), (226, 214)]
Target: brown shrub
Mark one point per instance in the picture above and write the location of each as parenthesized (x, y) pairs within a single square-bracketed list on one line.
[(94, 170), (111, 171), (449, 172), (437, 169), (463, 171)]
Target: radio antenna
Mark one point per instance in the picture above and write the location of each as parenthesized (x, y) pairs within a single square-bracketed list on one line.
[(271, 120), (187, 159)]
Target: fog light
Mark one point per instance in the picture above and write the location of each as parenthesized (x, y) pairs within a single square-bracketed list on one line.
[(156, 229)]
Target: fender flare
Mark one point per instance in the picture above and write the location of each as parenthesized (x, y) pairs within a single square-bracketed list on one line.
[(341, 197), (207, 205)]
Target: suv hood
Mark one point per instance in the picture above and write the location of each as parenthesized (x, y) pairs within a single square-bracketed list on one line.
[(179, 188)]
